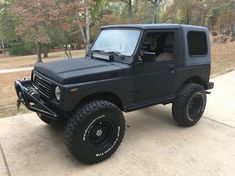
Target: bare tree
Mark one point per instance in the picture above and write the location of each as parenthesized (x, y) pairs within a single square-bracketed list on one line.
[(87, 23), (130, 11), (155, 4), (85, 31), (3, 46)]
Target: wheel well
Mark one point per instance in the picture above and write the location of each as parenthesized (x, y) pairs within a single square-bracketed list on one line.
[(195, 79), (103, 96)]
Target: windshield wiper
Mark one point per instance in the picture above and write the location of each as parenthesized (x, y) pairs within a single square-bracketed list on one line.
[(110, 53), (117, 53), (100, 51), (100, 54)]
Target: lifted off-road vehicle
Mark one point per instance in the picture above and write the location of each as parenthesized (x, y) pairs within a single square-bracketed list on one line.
[(128, 67)]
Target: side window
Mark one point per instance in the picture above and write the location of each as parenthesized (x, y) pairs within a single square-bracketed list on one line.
[(197, 43), (159, 43)]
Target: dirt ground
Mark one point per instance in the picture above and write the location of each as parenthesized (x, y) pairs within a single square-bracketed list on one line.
[(223, 61)]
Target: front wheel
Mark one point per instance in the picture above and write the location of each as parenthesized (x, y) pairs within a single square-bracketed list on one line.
[(95, 131), (189, 105)]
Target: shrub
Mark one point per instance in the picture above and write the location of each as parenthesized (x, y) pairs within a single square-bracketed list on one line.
[(214, 33), (21, 48)]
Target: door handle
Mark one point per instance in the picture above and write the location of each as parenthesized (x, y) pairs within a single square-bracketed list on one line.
[(172, 68)]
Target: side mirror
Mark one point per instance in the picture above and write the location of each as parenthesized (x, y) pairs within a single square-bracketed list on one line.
[(149, 56)]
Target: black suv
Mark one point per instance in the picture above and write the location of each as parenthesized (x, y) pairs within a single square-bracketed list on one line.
[(128, 67)]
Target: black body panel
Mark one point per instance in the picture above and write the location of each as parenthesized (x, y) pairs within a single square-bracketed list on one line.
[(77, 70), (134, 85)]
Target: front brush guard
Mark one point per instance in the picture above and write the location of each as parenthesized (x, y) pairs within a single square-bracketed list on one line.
[(30, 97)]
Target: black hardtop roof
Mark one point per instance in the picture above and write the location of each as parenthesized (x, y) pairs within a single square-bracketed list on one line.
[(155, 26)]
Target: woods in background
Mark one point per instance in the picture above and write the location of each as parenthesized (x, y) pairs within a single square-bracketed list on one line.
[(28, 26)]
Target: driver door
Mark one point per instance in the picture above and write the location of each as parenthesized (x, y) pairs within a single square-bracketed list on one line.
[(153, 80)]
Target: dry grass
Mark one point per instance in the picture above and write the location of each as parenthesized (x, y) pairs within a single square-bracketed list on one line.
[(27, 61), (223, 60), (7, 91), (8, 95)]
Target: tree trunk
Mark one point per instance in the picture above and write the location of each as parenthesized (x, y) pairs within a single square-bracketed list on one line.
[(130, 11), (136, 6), (82, 33), (203, 17), (45, 54), (187, 17), (45, 51), (38, 50), (230, 22), (220, 29), (87, 29), (154, 14), (212, 24), (3, 47), (233, 29), (155, 4)]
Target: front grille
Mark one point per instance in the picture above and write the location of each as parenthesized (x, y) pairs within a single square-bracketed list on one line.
[(44, 86)]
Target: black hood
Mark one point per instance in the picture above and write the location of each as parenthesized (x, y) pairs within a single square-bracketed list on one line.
[(78, 70)]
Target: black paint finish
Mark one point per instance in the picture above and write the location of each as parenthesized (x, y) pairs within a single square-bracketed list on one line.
[(131, 85)]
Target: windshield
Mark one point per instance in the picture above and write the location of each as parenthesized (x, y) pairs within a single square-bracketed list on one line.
[(117, 40)]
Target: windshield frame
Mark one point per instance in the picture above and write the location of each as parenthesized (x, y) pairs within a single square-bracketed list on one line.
[(127, 59)]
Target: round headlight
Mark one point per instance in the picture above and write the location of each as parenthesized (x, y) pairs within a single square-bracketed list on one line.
[(57, 93)]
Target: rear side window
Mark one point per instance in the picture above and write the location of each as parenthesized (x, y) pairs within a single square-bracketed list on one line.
[(197, 43)]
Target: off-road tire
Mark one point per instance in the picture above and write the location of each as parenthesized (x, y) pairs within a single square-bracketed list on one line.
[(83, 129), (181, 111), (57, 124)]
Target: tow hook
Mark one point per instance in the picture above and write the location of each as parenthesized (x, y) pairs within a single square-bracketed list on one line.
[(18, 103), (207, 92)]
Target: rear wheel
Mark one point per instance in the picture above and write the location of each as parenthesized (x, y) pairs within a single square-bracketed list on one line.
[(95, 131), (189, 105)]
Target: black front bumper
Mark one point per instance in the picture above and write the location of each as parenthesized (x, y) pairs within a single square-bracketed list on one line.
[(30, 97)]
